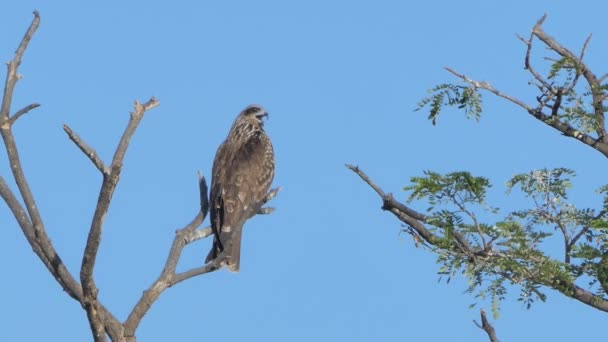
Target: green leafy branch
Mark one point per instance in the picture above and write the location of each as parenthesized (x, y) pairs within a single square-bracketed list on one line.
[(499, 252), (462, 97), (570, 98)]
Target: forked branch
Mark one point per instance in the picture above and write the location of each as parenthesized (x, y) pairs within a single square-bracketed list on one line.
[(487, 327), (29, 219), (11, 76), (169, 276), (110, 181)]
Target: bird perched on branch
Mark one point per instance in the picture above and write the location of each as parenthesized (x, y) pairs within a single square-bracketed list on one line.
[(242, 173)]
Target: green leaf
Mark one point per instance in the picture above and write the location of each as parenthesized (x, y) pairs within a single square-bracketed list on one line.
[(466, 98)]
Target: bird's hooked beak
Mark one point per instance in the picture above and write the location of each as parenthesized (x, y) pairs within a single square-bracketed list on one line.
[(261, 116)]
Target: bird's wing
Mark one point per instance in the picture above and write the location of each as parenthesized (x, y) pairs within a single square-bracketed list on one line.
[(241, 178)]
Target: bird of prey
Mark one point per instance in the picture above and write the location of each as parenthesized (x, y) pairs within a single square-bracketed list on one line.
[(242, 173)]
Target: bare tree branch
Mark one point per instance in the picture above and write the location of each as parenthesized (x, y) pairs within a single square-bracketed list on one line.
[(411, 217), (487, 327), (486, 86), (528, 65), (87, 150), (182, 238), (404, 213), (584, 48), (150, 295), (5, 125), (13, 65), (29, 219), (110, 180), (23, 111), (40, 244), (211, 266), (168, 276), (550, 120), (30, 222)]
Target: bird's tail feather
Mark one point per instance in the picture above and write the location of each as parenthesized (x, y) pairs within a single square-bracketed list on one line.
[(234, 250), (214, 252), (232, 245)]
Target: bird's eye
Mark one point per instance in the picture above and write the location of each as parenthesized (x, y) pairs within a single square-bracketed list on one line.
[(252, 110)]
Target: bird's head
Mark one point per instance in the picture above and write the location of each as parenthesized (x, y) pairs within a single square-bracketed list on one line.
[(255, 114)]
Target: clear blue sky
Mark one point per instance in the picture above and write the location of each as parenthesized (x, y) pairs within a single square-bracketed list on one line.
[(340, 80)]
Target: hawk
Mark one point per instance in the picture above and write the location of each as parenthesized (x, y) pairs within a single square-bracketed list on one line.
[(242, 173)]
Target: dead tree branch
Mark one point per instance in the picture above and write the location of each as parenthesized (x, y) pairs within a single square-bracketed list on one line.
[(6, 128), (29, 219), (487, 327), (411, 217), (168, 276), (11, 76), (110, 181), (182, 238), (23, 111), (87, 150)]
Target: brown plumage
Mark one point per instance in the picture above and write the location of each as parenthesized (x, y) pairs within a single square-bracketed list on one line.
[(243, 170)]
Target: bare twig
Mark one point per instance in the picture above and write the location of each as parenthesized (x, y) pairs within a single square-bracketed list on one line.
[(411, 217), (22, 111), (584, 229), (562, 227), (487, 327), (584, 48), (460, 204), (211, 266), (366, 179), (550, 120), (87, 150), (486, 86), (13, 65), (528, 65)]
